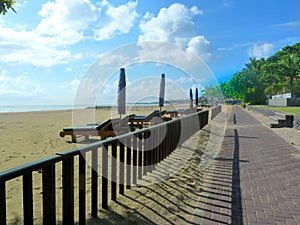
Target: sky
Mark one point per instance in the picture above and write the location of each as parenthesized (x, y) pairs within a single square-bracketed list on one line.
[(55, 52)]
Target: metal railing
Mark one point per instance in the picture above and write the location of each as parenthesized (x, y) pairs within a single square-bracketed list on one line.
[(122, 160)]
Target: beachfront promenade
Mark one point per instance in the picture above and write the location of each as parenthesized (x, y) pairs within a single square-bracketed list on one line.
[(255, 179)]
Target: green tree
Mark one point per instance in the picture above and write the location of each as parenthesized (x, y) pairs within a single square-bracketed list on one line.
[(5, 5), (290, 69), (255, 90), (273, 81), (277, 74)]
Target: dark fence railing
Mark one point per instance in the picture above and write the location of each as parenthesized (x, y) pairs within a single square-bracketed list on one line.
[(116, 163)]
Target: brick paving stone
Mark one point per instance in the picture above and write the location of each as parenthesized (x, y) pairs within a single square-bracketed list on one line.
[(255, 178)]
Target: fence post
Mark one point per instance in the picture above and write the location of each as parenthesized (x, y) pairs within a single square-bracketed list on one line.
[(128, 163), (2, 203), (146, 153), (48, 183), (82, 188), (27, 198), (68, 191), (140, 156), (121, 169), (114, 172), (134, 159), (94, 192), (104, 177)]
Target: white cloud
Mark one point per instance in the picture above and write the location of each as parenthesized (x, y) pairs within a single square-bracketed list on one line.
[(120, 21), (260, 51), (63, 23), (183, 80), (66, 17), (70, 85), (195, 11), (17, 86), (26, 47), (200, 46), (293, 25), (147, 89), (171, 24), (175, 24), (17, 6)]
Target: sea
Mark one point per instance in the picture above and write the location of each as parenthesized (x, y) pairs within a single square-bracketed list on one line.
[(34, 108)]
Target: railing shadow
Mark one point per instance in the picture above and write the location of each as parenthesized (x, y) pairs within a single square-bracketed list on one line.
[(236, 208), (171, 201), (221, 186)]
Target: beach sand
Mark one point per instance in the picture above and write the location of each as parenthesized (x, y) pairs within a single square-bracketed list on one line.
[(30, 136), (26, 137)]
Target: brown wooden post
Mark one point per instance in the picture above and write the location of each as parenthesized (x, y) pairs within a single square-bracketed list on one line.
[(134, 159), (121, 168), (48, 183), (27, 198), (2, 202), (128, 163), (114, 172), (140, 156), (82, 188), (104, 176), (94, 192), (68, 191)]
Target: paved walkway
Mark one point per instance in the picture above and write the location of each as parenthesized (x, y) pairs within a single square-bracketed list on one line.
[(255, 178)]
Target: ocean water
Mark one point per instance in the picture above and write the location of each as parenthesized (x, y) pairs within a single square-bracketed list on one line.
[(34, 108)]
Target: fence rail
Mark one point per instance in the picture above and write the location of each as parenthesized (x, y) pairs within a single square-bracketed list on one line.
[(118, 163)]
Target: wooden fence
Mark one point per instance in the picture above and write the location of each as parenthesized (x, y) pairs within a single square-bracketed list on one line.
[(124, 160)]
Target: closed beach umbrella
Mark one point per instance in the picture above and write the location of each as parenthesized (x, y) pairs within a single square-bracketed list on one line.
[(191, 98), (122, 93), (196, 96), (162, 91)]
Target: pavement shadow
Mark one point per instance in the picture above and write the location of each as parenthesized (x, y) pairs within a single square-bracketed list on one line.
[(172, 200), (221, 188)]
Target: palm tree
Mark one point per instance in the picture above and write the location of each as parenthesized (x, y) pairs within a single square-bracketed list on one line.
[(290, 68), (5, 5), (254, 71)]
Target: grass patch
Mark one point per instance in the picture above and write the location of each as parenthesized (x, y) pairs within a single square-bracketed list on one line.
[(290, 110)]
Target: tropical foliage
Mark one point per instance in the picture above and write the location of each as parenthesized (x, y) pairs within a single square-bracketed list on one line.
[(262, 78), (5, 5)]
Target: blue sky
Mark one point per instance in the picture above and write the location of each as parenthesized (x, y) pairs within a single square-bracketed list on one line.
[(48, 47)]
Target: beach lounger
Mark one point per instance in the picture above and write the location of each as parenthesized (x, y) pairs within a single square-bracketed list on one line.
[(185, 111), (180, 112), (105, 129), (149, 119)]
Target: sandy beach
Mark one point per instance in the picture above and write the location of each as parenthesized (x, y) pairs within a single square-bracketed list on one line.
[(26, 137), (30, 136)]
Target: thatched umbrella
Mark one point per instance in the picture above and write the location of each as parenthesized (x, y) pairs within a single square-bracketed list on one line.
[(191, 98), (196, 97), (162, 92), (122, 93)]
